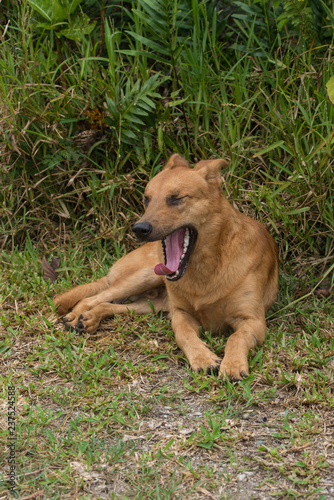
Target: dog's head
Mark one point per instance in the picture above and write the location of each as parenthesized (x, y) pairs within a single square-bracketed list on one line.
[(179, 202)]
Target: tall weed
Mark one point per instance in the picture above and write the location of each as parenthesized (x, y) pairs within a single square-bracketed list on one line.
[(92, 118)]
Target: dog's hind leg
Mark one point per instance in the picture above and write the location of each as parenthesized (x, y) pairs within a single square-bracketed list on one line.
[(138, 260), (132, 275), (90, 320), (136, 284), (69, 299)]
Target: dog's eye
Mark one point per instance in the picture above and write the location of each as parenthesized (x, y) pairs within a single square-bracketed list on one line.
[(174, 200), (146, 201)]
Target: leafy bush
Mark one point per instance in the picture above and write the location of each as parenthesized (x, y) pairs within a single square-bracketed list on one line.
[(94, 113)]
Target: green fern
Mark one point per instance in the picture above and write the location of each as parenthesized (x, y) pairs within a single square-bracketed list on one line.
[(131, 110), (299, 13), (163, 27)]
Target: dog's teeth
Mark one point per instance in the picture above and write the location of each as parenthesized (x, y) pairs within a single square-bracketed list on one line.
[(186, 241), (186, 238), (176, 273)]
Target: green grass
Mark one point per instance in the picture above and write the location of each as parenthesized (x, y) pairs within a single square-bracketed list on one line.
[(88, 126), (121, 410), (84, 124)]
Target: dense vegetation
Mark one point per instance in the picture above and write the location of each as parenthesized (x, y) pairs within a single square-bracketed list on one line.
[(95, 96)]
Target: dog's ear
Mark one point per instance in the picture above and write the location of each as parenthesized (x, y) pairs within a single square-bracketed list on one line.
[(210, 169), (176, 161)]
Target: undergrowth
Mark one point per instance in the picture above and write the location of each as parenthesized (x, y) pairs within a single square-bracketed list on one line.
[(94, 101)]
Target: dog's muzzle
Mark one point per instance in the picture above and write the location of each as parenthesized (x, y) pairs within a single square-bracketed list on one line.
[(142, 230)]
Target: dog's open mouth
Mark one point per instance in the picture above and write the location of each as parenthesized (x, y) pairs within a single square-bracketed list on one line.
[(177, 248)]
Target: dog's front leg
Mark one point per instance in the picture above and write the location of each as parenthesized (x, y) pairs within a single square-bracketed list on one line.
[(249, 334), (186, 329)]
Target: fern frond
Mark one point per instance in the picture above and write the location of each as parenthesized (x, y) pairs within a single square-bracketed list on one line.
[(134, 108), (300, 15), (167, 25)]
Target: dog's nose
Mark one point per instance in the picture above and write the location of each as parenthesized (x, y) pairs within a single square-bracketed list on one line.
[(142, 230)]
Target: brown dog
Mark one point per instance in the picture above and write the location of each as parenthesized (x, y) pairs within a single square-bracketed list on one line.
[(219, 267)]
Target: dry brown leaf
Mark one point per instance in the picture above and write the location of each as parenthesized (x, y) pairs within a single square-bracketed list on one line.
[(50, 272)]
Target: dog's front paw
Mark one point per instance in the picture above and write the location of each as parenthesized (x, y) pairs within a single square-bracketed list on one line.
[(205, 360), (234, 369)]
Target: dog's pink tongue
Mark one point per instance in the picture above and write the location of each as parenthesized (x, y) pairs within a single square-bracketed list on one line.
[(174, 250)]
